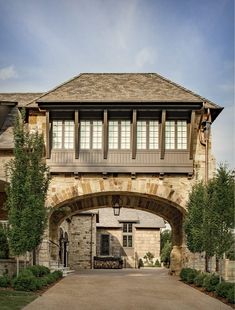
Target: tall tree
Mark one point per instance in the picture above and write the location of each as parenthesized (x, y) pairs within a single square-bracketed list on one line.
[(223, 206), (26, 194)]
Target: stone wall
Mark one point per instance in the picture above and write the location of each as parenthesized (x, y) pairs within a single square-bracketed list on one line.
[(82, 245), (8, 266), (147, 240)]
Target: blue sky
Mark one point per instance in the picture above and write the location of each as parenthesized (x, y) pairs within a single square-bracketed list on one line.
[(191, 42)]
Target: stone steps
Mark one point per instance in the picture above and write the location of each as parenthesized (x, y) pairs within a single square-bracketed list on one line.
[(54, 266)]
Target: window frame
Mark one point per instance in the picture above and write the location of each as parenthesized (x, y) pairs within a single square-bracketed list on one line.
[(175, 121), (119, 138), (91, 139), (62, 148), (147, 148), (101, 248), (128, 234)]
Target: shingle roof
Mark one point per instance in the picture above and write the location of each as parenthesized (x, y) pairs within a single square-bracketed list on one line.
[(21, 98), (141, 219), (116, 87)]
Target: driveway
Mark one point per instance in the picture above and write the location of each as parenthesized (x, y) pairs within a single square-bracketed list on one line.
[(124, 289)]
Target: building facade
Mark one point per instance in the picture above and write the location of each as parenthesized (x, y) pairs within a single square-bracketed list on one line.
[(138, 137)]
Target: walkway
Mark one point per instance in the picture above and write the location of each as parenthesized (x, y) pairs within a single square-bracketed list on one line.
[(126, 289)]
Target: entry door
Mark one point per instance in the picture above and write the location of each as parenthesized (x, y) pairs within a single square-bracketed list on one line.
[(104, 250)]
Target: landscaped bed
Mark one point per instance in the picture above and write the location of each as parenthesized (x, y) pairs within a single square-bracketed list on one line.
[(31, 282), (210, 284)]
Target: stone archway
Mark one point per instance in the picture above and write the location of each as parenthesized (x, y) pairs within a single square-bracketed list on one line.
[(152, 195)]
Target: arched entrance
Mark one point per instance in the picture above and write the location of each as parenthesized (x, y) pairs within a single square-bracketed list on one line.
[(172, 212)]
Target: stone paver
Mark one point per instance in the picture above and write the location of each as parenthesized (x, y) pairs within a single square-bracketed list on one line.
[(126, 289)]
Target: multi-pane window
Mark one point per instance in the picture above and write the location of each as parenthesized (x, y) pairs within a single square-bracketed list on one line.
[(181, 135), (127, 235), (176, 135), (97, 135), (119, 135), (141, 135), (147, 135), (63, 134), (113, 135), (153, 135), (91, 135), (104, 246), (170, 135), (85, 135)]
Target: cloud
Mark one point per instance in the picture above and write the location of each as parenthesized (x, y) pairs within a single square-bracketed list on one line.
[(145, 56), (8, 73)]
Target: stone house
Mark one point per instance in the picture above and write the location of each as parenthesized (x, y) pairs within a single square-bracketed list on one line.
[(136, 136), (129, 236)]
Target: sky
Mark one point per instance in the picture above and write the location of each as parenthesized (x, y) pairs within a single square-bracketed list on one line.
[(191, 42)]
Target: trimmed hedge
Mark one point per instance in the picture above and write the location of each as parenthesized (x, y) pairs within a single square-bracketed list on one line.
[(25, 282), (198, 280), (223, 288), (39, 271), (210, 282)]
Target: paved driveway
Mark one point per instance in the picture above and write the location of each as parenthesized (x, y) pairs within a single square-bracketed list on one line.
[(124, 290)]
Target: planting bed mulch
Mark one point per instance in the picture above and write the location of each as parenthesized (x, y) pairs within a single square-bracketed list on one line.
[(211, 294)]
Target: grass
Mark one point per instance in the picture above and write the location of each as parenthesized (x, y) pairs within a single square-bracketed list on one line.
[(15, 300)]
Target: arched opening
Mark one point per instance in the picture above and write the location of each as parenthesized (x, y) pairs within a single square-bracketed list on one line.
[(169, 211)]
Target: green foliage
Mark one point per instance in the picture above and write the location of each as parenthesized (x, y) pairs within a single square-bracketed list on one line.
[(140, 263), (191, 275), (26, 193), (25, 282), (149, 258), (231, 295), (210, 282), (5, 281), (166, 253), (230, 254), (165, 236), (157, 263), (198, 280), (38, 271), (57, 274), (193, 224), (4, 248), (184, 273), (223, 288)]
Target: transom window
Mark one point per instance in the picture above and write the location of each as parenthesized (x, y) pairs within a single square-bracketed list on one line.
[(147, 135), (119, 135), (91, 135), (176, 135), (127, 235), (63, 134)]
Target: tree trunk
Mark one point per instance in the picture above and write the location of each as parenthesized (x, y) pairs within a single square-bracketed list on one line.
[(207, 263), (17, 266)]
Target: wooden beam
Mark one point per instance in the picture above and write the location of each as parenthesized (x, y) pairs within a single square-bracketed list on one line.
[(162, 137), (105, 134), (48, 136), (191, 131), (76, 133), (134, 133)]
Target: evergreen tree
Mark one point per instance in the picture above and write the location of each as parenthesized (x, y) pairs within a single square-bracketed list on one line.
[(27, 191), (4, 248)]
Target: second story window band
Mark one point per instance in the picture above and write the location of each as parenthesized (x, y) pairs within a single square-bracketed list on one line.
[(91, 135), (148, 135), (176, 135), (119, 135)]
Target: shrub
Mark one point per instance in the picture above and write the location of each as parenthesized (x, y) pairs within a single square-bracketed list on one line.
[(198, 280), (184, 273), (39, 271), (140, 263), (57, 274), (50, 278), (223, 288), (25, 282), (210, 282), (157, 263), (40, 282), (231, 295), (4, 247), (191, 275), (5, 281)]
